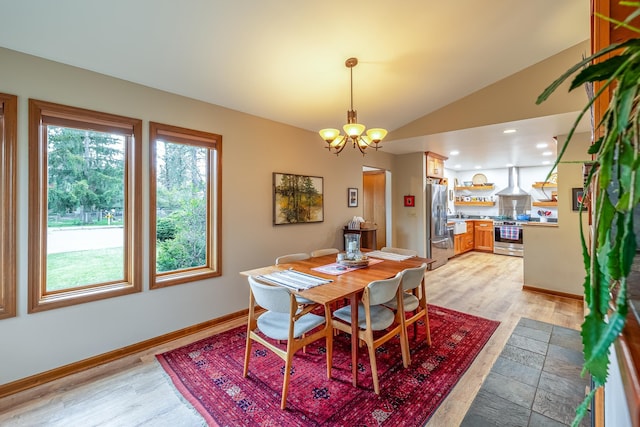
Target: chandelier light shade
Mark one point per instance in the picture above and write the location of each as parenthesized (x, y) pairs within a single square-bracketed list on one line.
[(353, 131)]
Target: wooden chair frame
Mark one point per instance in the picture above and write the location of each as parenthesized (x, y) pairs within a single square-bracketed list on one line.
[(293, 344), (367, 336)]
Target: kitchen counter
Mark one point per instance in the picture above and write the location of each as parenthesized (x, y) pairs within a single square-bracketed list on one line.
[(541, 224)]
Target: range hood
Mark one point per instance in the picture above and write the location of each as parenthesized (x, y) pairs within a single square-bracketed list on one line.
[(514, 184)]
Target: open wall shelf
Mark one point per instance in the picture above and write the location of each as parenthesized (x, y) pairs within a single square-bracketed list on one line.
[(474, 203)]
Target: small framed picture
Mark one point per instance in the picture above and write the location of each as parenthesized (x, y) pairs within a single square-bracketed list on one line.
[(410, 201), (577, 199), (352, 197)]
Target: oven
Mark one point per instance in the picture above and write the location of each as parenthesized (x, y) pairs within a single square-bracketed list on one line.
[(507, 238)]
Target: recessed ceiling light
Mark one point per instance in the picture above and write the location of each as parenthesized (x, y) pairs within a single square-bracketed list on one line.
[(477, 167), (546, 162), (454, 153), (509, 165), (509, 131), (542, 145), (547, 153), (457, 166)]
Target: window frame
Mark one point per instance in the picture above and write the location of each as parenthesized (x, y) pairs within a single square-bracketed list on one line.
[(41, 114), (8, 194), (212, 142)]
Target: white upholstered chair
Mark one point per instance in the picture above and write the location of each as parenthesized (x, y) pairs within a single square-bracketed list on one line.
[(322, 252), (373, 316), (414, 301), (284, 320), (292, 257), (400, 251)]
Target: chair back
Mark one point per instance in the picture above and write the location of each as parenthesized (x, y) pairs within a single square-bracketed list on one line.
[(400, 251), (412, 277), (381, 291), (292, 257), (322, 252), (272, 298)]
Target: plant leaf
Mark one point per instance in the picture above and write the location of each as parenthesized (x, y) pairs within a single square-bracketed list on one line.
[(628, 246), (583, 408), (600, 71), (595, 147), (592, 329), (553, 86)]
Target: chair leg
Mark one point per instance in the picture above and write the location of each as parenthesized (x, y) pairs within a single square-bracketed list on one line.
[(372, 361), (285, 381), (247, 355), (426, 325), (404, 338)]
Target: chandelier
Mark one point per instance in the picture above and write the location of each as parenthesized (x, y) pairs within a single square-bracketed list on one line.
[(353, 130)]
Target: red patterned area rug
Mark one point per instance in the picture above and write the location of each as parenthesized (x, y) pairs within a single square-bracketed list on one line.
[(208, 373)]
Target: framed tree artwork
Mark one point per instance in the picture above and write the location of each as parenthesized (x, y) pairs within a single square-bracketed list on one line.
[(297, 198)]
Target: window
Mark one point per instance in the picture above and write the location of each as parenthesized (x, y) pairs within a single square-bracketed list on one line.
[(8, 145), (184, 212), (84, 205)]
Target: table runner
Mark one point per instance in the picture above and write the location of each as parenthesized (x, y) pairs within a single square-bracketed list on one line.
[(336, 269)]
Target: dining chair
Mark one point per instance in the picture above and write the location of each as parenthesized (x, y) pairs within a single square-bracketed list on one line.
[(414, 301), (373, 316), (283, 259), (322, 252), (399, 251), (284, 320)]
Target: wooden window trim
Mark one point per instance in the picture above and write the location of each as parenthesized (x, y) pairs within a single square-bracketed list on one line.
[(212, 142), (8, 177), (41, 112)]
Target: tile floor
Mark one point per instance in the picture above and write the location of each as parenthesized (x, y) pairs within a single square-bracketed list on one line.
[(535, 380)]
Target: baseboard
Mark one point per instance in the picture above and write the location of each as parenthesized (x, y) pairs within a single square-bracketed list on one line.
[(92, 362), (550, 292)]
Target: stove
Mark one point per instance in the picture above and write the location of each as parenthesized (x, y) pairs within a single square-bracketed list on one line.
[(507, 237)]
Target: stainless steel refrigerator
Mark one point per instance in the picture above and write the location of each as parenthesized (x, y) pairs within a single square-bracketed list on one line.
[(439, 238)]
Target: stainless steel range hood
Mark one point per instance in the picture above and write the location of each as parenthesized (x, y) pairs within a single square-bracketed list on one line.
[(514, 184)]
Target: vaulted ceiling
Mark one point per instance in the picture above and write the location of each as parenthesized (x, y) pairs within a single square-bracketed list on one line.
[(284, 60)]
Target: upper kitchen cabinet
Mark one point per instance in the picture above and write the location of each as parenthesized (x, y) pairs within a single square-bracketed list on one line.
[(435, 164)]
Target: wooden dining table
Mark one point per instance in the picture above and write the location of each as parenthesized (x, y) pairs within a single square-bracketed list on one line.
[(348, 285)]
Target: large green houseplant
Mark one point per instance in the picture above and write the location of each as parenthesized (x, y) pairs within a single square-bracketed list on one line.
[(615, 185)]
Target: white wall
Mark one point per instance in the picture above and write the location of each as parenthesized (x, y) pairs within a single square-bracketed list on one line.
[(616, 409), (253, 148)]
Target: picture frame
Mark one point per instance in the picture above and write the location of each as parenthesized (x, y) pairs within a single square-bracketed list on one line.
[(352, 197), (297, 199), (578, 198), (409, 201)]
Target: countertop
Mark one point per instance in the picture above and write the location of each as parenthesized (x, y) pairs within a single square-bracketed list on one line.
[(541, 224), (553, 222)]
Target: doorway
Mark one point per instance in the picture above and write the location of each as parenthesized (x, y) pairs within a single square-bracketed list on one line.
[(374, 201)]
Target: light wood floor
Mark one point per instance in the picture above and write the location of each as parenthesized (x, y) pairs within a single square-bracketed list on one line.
[(135, 391)]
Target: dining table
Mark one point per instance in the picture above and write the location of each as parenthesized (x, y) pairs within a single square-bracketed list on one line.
[(343, 283)]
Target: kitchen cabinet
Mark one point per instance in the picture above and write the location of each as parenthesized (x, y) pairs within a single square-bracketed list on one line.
[(483, 236), (464, 242), (435, 164)]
